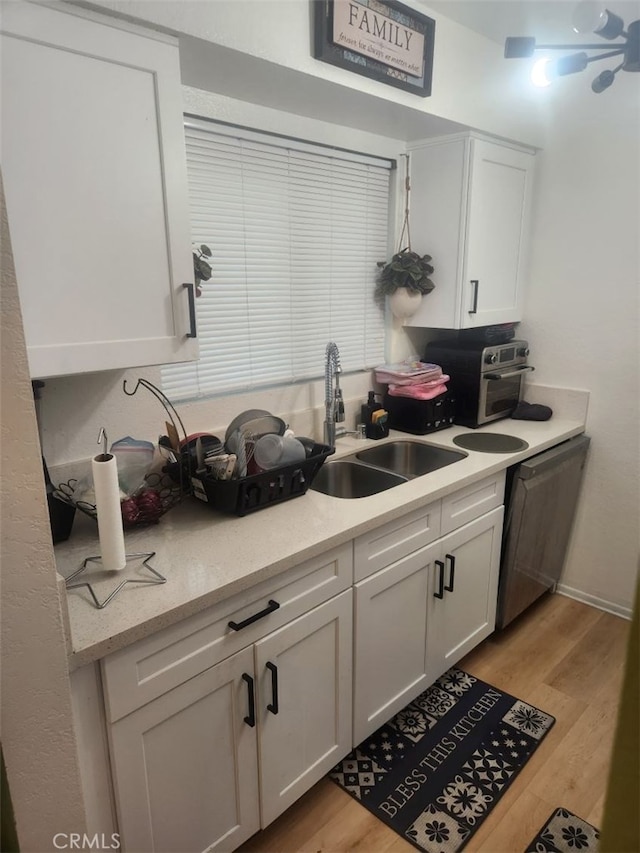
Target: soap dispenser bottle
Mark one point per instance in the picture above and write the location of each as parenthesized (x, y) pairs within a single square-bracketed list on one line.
[(367, 409), (374, 417)]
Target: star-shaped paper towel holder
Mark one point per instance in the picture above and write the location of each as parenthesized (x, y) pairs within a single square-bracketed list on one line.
[(156, 579)]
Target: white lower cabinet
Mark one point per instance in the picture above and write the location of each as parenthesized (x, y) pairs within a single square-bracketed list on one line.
[(419, 615), (186, 775), (218, 724), (304, 708), (390, 666), (466, 575), (206, 764)]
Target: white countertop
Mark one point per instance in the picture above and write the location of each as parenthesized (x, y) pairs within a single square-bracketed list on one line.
[(207, 556)]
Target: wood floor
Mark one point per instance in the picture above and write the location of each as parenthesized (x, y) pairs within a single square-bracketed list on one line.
[(561, 656)]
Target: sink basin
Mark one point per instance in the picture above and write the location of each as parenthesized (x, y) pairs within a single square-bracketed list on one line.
[(348, 479), (409, 458), (379, 468)]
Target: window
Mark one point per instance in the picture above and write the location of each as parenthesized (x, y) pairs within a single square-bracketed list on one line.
[(296, 231)]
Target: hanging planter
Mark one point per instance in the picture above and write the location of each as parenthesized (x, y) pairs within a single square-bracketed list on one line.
[(404, 303), (405, 278)]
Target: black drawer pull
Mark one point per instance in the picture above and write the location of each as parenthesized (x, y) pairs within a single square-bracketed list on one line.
[(440, 592), (190, 287), (273, 707), (250, 719), (452, 568), (476, 285), (238, 626)]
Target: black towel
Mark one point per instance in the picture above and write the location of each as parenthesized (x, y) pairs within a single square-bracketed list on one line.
[(531, 412)]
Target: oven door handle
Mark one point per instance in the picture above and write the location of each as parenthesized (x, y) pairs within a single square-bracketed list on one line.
[(508, 375)]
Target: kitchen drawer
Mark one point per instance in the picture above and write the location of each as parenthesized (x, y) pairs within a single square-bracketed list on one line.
[(397, 539), (471, 502), (141, 672)]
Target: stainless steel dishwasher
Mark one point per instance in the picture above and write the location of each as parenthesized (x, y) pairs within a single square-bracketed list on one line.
[(541, 499)]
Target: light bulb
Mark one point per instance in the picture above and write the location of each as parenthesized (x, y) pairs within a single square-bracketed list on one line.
[(570, 64), (540, 73), (603, 81), (588, 16), (591, 16)]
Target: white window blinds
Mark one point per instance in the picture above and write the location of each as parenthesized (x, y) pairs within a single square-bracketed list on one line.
[(295, 232)]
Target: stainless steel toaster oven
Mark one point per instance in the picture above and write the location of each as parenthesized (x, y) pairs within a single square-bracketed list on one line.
[(486, 381)]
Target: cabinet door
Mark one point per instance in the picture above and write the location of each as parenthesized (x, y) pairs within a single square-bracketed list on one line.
[(470, 206), (185, 765), (438, 201), (94, 168), (469, 563), (390, 646), (305, 686), (496, 234)]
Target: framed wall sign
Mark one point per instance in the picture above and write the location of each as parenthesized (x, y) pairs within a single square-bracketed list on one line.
[(380, 39)]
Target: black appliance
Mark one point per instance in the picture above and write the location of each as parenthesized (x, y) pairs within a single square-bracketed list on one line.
[(486, 381), (420, 416)]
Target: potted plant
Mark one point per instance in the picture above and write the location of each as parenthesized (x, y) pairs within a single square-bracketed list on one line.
[(405, 279), (201, 267)]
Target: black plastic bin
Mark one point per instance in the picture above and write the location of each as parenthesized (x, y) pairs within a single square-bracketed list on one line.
[(258, 491)]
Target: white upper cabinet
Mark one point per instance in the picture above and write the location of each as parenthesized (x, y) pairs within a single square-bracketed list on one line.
[(470, 210), (94, 168)]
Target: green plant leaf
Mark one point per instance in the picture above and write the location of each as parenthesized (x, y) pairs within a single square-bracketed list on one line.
[(405, 269), (204, 270)]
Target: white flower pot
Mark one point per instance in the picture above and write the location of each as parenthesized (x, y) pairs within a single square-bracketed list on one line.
[(404, 303)]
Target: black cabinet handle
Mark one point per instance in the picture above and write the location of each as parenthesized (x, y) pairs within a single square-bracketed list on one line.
[(273, 707), (440, 592), (191, 291), (238, 626), (250, 719), (452, 569), (476, 285)]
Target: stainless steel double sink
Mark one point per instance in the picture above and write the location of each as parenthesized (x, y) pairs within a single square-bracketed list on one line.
[(375, 469)]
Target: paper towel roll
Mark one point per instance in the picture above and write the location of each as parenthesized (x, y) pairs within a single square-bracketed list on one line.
[(110, 531)]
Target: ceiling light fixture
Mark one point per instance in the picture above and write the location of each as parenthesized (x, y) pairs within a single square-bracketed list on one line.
[(589, 16)]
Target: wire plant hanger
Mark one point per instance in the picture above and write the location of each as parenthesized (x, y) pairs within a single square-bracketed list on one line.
[(406, 228), (406, 268)]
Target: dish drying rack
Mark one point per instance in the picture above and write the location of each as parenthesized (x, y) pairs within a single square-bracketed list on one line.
[(245, 495)]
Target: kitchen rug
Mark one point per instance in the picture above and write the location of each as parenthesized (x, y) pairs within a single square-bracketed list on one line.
[(435, 770), (565, 832)]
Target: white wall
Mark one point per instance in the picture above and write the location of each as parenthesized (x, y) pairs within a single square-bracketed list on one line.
[(274, 36), (582, 312), (38, 738)]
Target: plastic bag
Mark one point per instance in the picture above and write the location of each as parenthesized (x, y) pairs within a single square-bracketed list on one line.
[(133, 458)]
